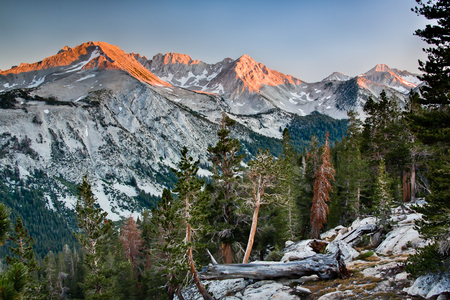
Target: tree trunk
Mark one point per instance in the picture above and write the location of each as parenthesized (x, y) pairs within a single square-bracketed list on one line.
[(325, 266), (226, 252), (413, 181), (197, 281), (251, 237)]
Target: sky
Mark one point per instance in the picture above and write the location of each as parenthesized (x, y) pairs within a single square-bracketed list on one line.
[(306, 39)]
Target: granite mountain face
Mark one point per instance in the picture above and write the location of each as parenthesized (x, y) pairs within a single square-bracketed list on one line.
[(249, 87), (122, 119)]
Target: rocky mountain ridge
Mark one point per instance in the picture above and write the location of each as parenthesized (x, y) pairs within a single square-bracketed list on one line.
[(249, 87)]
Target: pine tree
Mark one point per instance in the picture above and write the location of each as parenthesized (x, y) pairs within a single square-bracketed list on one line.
[(322, 188), (309, 164), (290, 185), (436, 74), (263, 172), (352, 176), (382, 195), (23, 249), (5, 223), (95, 229), (16, 279), (227, 166), (187, 187), (165, 249), (429, 120), (130, 236)]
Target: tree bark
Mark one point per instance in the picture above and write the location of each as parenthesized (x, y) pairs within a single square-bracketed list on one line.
[(413, 181), (325, 266), (251, 237)]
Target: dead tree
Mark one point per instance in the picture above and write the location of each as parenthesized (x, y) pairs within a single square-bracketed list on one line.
[(325, 266)]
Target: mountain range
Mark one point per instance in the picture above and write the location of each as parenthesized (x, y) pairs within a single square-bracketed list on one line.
[(122, 119)]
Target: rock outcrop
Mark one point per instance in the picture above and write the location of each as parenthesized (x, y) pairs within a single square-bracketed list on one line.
[(377, 273)]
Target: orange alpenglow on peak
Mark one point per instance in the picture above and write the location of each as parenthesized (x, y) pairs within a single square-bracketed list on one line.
[(255, 75), (91, 55), (177, 58)]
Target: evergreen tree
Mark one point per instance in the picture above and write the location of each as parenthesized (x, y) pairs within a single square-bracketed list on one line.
[(322, 188), (263, 172), (227, 166), (429, 120), (382, 196), (95, 229), (166, 251), (309, 164), (290, 185), (23, 249), (15, 280), (5, 223), (187, 188), (130, 236), (352, 176)]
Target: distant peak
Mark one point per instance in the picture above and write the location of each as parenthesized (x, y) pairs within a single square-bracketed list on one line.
[(337, 76), (245, 58), (64, 49), (92, 54), (178, 58), (379, 68)]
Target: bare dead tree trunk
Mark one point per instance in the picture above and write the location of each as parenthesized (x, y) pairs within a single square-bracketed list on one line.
[(325, 266), (413, 181), (251, 237)]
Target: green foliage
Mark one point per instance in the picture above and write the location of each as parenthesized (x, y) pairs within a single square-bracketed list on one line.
[(290, 187), (94, 232), (382, 195), (14, 281), (429, 119), (365, 255), (28, 199), (315, 124), (165, 230), (24, 247), (427, 260), (5, 223), (227, 167)]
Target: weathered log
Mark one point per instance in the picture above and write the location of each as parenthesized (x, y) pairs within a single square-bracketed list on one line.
[(324, 266)]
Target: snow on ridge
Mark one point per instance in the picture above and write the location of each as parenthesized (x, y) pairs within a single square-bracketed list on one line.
[(80, 65), (86, 77), (204, 173), (411, 79), (125, 189), (36, 83), (49, 204)]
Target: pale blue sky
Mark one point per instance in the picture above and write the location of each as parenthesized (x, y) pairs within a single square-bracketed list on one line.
[(306, 39)]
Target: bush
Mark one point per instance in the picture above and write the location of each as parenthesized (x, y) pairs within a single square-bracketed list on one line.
[(427, 260)]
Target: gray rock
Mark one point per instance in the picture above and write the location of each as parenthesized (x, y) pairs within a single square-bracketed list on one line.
[(338, 295), (399, 239), (347, 251), (430, 285)]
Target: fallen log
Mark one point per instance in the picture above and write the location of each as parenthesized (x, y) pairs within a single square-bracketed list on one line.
[(325, 266)]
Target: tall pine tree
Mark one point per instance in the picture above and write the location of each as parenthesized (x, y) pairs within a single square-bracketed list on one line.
[(227, 166), (94, 232), (322, 189), (430, 122), (187, 187)]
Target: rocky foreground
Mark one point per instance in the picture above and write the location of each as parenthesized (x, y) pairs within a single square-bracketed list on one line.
[(375, 259)]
